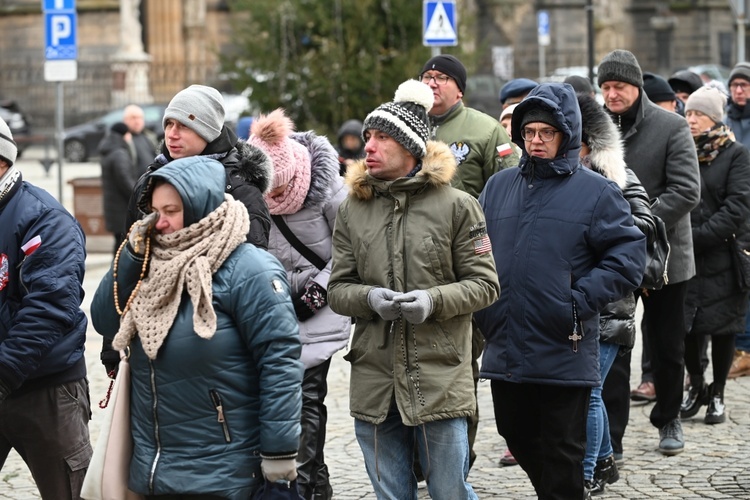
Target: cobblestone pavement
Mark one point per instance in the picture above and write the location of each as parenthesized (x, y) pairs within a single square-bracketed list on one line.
[(715, 463)]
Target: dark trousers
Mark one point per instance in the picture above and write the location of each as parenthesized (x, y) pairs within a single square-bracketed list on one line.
[(664, 318), (477, 346), (312, 471), (722, 354), (49, 428), (545, 429)]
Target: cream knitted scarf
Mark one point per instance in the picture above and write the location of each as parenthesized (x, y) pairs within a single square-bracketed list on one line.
[(183, 260)]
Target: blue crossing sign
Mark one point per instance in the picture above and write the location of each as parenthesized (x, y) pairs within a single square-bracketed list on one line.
[(439, 23)]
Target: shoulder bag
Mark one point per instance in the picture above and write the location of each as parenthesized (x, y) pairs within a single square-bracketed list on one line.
[(107, 475), (657, 258), (741, 263), (303, 249)]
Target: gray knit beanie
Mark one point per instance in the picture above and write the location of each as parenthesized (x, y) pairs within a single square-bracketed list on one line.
[(405, 119), (620, 66), (740, 70), (709, 101), (8, 148), (199, 108)]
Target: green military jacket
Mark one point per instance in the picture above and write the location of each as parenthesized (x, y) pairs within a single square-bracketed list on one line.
[(415, 233), (474, 138)]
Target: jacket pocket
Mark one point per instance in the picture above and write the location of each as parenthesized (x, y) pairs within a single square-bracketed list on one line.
[(220, 418)]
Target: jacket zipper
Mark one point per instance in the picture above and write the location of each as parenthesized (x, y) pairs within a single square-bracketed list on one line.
[(216, 400), (156, 429)]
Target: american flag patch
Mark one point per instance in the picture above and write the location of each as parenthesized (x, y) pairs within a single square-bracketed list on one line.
[(482, 245)]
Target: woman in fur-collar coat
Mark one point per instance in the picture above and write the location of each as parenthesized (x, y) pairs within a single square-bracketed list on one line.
[(306, 191), (715, 305)]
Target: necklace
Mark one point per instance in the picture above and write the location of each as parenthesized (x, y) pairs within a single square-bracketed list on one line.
[(140, 278)]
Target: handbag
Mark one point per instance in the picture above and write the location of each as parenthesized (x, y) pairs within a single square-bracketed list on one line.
[(107, 475), (741, 263), (657, 258), (277, 491)]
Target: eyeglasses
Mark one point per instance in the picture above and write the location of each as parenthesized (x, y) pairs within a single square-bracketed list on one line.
[(546, 135), (739, 85), (439, 79)]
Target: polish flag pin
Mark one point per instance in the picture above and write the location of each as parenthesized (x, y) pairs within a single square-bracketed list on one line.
[(31, 245), (504, 150)]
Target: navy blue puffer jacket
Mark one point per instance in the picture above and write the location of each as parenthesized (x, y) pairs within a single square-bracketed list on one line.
[(565, 245)]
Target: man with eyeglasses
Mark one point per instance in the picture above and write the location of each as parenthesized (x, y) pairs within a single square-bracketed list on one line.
[(565, 245), (738, 121), (481, 147), (660, 150)]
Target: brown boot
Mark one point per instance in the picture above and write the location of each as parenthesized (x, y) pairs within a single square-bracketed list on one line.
[(740, 365)]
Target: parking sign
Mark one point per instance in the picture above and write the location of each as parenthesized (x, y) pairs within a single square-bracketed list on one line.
[(60, 36)]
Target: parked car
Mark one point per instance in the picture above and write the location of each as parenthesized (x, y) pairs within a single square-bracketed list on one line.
[(81, 141), (18, 123), (483, 94)]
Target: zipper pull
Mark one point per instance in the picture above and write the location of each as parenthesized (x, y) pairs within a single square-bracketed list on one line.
[(220, 411)]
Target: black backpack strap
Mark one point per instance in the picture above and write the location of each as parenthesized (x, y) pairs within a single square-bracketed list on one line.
[(314, 258)]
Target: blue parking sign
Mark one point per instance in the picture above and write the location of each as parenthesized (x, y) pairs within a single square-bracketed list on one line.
[(60, 35)]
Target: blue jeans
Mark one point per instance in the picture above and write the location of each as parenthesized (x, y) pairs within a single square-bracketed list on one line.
[(598, 444), (742, 341), (388, 450)]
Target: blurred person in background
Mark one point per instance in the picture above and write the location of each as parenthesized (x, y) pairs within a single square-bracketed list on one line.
[(120, 172), (143, 140), (350, 145), (661, 93)]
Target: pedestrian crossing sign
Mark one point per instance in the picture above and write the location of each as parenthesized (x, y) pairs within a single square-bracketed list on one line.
[(439, 23)]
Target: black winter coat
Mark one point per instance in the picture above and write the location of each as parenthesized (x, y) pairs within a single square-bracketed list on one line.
[(715, 304)]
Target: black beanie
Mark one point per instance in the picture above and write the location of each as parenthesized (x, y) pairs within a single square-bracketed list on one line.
[(685, 81), (741, 70), (539, 115), (620, 66), (448, 65), (657, 89), (120, 128)]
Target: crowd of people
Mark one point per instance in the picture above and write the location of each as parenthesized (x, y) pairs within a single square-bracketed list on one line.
[(434, 242)]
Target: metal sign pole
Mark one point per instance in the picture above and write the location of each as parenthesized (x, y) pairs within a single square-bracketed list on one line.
[(59, 135)]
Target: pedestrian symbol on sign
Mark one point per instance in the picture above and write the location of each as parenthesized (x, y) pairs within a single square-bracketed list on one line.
[(439, 23)]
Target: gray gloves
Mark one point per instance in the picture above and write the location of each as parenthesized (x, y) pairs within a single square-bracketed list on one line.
[(139, 232), (416, 306), (279, 470), (381, 301)]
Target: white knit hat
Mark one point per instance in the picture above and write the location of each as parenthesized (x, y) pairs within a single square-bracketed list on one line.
[(200, 108), (8, 148), (709, 101)]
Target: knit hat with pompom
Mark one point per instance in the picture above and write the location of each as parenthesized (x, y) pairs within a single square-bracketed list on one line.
[(405, 119), (271, 133)]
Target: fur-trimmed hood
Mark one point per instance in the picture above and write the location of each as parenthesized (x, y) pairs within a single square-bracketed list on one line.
[(438, 168), (254, 165), (607, 154), (324, 163)]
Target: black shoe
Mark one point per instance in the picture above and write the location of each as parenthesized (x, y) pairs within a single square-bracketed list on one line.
[(606, 471), (716, 411), (587, 490), (671, 441), (694, 398)]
